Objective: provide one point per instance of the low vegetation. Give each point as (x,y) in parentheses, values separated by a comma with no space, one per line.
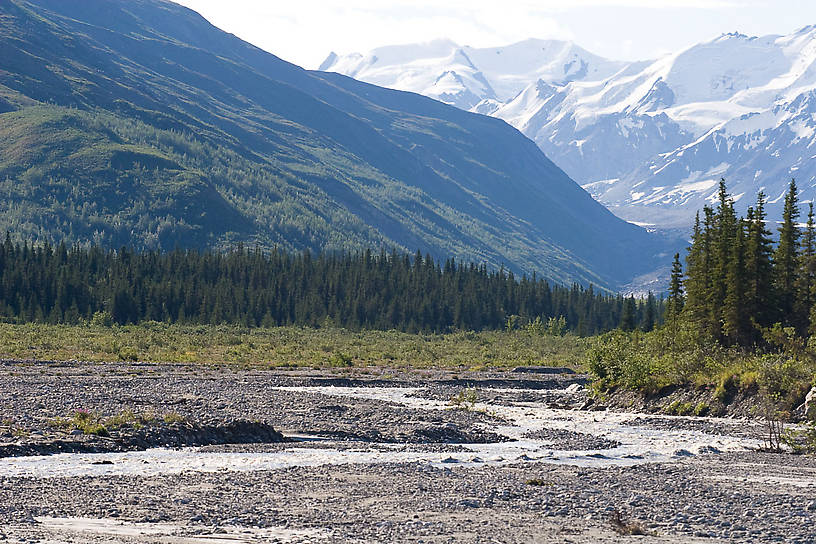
(627,527)
(91,423)
(287,346)
(465,400)
(680,356)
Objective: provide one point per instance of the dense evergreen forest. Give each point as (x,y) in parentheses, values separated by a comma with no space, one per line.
(740,283)
(64,284)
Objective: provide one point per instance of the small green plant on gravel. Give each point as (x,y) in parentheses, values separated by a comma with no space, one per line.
(92,424)
(128,418)
(679,408)
(702,409)
(173,417)
(465,400)
(83,420)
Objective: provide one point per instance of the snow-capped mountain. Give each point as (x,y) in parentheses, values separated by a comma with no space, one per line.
(652,139)
(465,76)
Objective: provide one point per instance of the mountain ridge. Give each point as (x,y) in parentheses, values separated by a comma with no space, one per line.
(652,140)
(130,107)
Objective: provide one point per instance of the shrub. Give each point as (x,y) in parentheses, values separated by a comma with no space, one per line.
(679,408)
(618,358)
(702,409)
(102,319)
(725,388)
(465,399)
(83,420)
(339,359)
(538,482)
(627,527)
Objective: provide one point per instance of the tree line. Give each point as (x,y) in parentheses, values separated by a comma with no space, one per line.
(62,284)
(739,282)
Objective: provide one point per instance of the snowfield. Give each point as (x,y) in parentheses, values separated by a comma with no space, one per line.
(736,107)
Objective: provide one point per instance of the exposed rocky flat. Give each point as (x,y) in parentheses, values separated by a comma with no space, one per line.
(377,455)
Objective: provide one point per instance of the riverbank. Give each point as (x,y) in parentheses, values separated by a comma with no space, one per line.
(380,454)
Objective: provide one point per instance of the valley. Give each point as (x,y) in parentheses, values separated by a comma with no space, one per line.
(431,293)
(141,124)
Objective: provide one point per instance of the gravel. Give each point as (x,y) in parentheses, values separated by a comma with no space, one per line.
(733,497)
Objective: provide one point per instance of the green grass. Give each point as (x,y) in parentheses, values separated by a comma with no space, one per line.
(287,346)
(82,420)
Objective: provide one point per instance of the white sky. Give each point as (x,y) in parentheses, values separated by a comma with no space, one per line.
(305,31)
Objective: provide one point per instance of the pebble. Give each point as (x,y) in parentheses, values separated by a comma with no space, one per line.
(726,496)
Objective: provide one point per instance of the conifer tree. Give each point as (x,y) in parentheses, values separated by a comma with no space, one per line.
(627,322)
(785,258)
(676,300)
(650,314)
(759,268)
(724,239)
(697,274)
(806,276)
(736,327)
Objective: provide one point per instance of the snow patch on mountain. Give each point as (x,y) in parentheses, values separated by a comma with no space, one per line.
(465,76)
(649,139)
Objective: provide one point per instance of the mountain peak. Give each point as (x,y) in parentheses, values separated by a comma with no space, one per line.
(483,73)
(329,62)
(650,138)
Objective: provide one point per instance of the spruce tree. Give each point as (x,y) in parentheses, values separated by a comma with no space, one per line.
(627,322)
(676,301)
(785,258)
(650,314)
(759,269)
(736,327)
(724,238)
(697,275)
(806,276)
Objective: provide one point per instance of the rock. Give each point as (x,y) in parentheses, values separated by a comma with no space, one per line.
(574,388)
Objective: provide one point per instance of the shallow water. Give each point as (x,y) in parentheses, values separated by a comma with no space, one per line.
(638,445)
(171,533)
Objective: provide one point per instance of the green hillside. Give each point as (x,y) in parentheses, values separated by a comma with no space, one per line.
(137,122)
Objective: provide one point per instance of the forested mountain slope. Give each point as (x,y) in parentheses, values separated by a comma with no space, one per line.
(137,122)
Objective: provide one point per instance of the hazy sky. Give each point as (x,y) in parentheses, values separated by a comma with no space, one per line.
(305,31)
